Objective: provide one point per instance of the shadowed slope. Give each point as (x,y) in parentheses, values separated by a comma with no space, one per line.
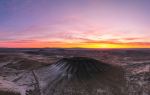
(81,67)
(8,93)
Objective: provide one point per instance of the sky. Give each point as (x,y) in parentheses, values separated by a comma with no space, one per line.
(75,23)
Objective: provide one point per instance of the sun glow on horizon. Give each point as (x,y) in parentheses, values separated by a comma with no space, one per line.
(44,44)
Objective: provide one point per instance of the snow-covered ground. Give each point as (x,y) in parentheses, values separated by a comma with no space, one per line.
(21,80)
(11,86)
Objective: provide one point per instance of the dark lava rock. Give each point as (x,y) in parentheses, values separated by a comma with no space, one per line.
(84,76)
(8,93)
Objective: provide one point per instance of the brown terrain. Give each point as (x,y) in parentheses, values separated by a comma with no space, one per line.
(75,71)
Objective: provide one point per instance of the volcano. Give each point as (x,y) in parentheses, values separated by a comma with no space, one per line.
(81,67)
(84,76)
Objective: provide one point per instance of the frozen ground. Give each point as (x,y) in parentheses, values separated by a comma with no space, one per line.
(22,67)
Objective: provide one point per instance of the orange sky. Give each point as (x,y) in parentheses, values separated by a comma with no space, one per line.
(39,44)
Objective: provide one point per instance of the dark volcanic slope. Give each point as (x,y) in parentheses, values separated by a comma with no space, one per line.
(84,76)
(82,67)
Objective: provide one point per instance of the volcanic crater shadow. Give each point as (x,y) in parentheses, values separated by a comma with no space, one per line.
(86,76)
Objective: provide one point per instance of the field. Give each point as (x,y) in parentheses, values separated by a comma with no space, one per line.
(31,72)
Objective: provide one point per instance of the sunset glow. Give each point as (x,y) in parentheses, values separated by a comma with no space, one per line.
(75,23)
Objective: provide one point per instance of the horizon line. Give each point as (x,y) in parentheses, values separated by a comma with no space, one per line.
(63,48)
